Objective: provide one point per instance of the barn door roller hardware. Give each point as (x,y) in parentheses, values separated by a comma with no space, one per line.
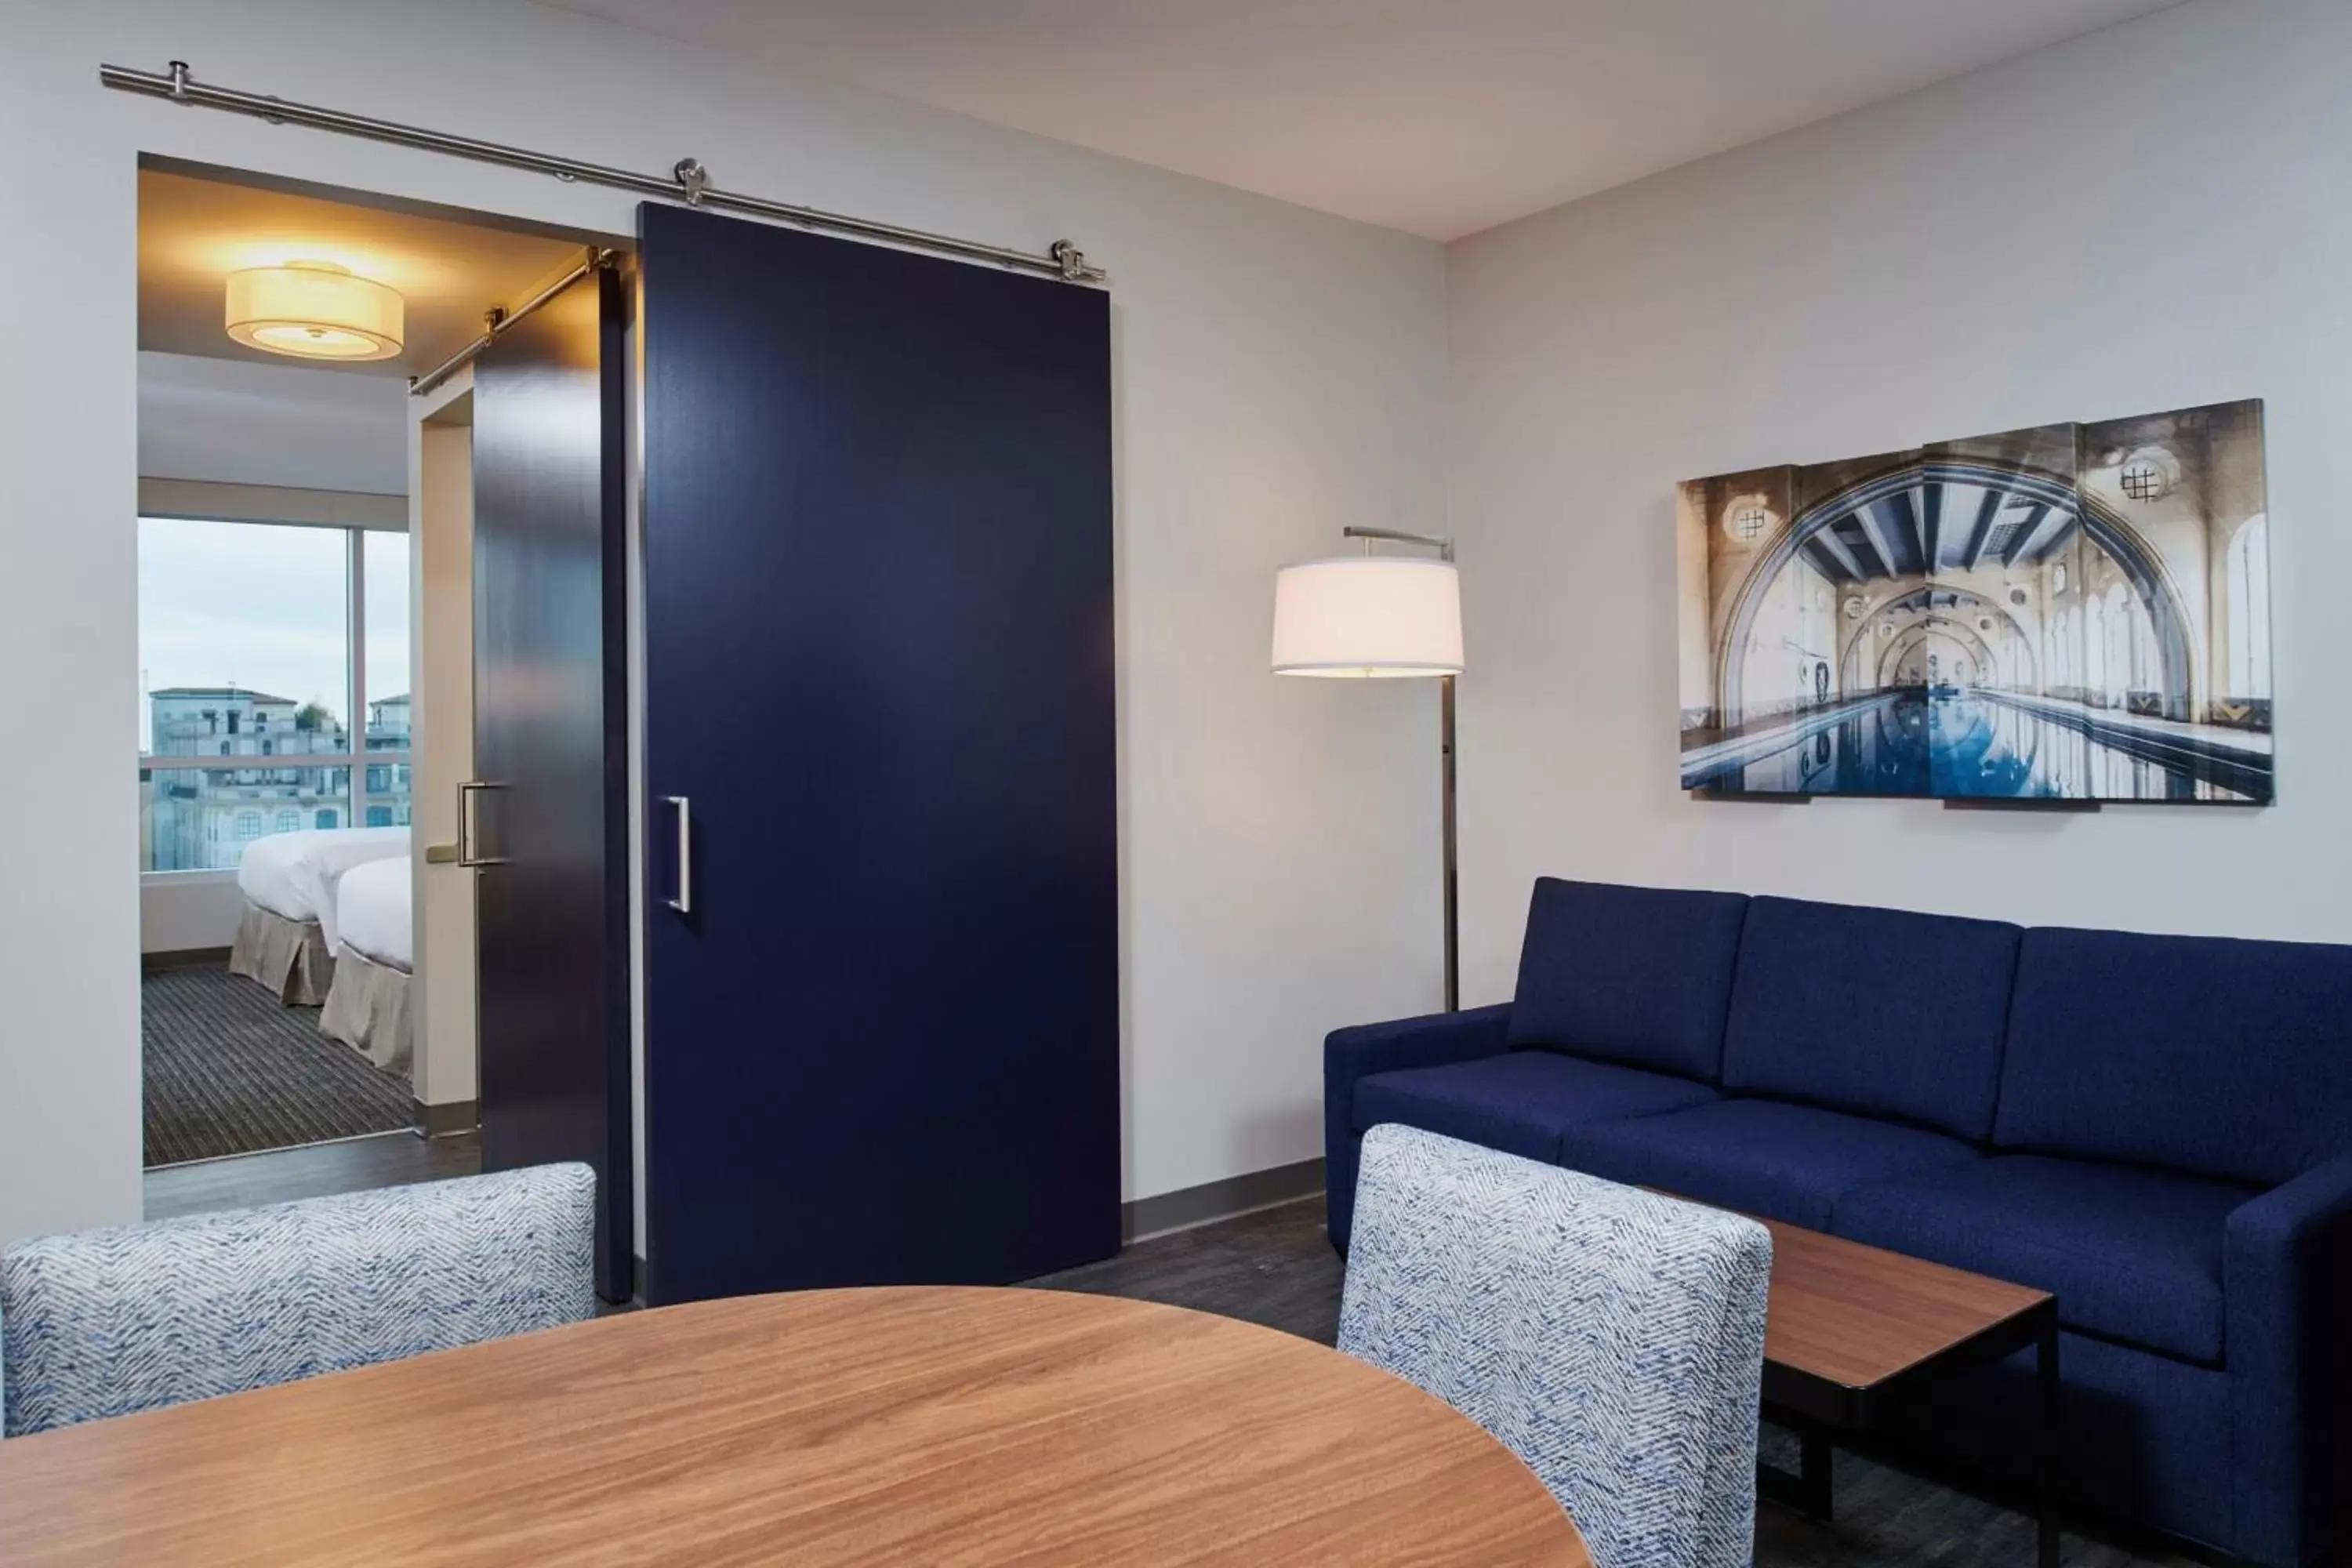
(688,180)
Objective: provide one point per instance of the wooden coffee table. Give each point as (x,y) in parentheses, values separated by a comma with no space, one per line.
(1851,1329)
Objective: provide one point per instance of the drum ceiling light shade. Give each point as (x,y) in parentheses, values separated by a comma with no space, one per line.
(314,310)
(1368,616)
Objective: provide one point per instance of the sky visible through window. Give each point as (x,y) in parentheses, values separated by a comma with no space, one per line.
(262,606)
(387,614)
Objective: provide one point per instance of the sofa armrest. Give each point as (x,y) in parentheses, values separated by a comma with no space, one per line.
(1352,1054)
(2286,1277)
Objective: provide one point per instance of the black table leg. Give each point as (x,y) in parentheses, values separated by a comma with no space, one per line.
(1814,1462)
(1809,1491)
(2045,1367)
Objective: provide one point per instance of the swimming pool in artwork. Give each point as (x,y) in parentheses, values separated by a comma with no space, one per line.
(1987,745)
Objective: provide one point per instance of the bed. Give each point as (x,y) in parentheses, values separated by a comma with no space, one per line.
(286,938)
(370,998)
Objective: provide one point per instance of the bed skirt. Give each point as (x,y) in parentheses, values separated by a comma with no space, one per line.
(291,957)
(368,1009)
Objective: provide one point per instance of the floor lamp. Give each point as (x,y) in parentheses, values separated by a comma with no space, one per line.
(1383,617)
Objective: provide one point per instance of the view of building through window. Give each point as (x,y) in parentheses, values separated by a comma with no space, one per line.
(386,657)
(245,652)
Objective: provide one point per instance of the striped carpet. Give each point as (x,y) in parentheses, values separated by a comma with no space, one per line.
(231,1070)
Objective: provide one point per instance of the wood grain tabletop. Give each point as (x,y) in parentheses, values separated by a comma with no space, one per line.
(919,1426)
(1857,1315)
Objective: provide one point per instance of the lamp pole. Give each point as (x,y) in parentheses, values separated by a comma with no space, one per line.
(1452,899)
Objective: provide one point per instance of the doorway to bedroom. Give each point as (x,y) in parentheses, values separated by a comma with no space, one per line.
(306,641)
(282,648)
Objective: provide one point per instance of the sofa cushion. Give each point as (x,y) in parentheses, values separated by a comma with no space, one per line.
(2217,1057)
(1637,975)
(1873,1011)
(1519,1103)
(1784,1162)
(2132,1255)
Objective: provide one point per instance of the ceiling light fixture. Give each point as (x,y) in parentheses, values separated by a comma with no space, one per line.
(314,310)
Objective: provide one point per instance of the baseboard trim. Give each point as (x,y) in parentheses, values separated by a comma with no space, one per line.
(183,958)
(1189,1206)
(446,1119)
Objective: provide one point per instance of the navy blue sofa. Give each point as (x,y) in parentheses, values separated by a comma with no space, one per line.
(2158,1129)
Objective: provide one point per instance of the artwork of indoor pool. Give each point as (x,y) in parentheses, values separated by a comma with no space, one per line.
(2072,612)
(1987,746)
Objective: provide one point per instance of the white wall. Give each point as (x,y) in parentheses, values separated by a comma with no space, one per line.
(1279,375)
(232,421)
(441,631)
(2153,216)
(184,911)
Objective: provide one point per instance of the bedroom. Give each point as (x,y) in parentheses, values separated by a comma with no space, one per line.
(305,610)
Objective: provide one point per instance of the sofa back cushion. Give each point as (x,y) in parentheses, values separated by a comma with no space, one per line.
(1873,1011)
(2223,1057)
(1637,975)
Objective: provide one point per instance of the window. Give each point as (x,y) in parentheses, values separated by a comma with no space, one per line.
(386,660)
(264,640)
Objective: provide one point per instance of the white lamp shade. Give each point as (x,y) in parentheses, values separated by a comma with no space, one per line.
(314,310)
(1368,616)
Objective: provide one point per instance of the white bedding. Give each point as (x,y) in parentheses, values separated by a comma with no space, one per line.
(294,874)
(371,911)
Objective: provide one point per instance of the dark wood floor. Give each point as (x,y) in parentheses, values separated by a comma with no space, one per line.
(1275,1267)
(390,1160)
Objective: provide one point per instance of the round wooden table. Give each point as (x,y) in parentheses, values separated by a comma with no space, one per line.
(932,1425)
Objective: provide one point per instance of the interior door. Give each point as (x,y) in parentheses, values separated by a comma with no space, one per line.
(882,955)
(547,820)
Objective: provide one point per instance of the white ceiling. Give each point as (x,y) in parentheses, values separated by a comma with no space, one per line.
(1438,117)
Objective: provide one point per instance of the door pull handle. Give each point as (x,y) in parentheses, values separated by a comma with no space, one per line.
(684,900)
(469,827)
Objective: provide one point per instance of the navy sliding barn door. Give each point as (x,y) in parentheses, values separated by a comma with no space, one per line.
(549,819)
(883,1032)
